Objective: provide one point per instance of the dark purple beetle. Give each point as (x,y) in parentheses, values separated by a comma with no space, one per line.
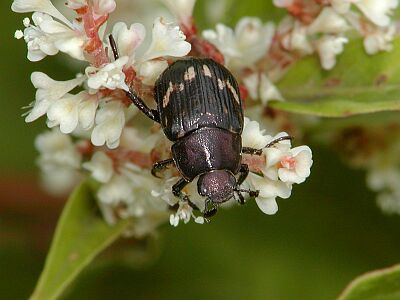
(200,110)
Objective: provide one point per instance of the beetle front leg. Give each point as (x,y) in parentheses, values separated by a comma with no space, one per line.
(151,113)
(177,190)
(210,209)
(244,172)
(160,166)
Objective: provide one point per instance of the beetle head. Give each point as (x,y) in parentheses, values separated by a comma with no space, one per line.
(217,185)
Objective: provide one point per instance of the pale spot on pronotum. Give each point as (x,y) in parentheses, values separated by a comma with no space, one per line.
(190,74)
(168,95)
(221,84)
(207,71)
(233,91)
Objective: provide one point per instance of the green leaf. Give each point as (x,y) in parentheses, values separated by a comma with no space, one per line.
(358,84)
(376,285)
(81,234)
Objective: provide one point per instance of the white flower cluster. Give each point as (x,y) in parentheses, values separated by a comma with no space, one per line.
(95,130)
(386,183)
(243,48)
(260,53)
(323,29)
(383,169)
(100,109)
(282,166)
(129,191)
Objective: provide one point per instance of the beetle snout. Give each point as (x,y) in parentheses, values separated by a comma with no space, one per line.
(217,185)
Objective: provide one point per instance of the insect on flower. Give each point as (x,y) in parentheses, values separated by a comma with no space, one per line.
(200,111)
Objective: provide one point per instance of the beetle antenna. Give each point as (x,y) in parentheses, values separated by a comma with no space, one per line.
(114,47)
(280,139)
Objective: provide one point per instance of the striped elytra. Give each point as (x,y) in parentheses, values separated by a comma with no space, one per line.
(197,92)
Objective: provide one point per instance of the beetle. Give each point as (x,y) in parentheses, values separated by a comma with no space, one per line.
(200,110)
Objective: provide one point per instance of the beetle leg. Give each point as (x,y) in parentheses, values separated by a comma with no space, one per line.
(161,165)
(244,172)
(253,151)
(177,190)
(209,211)
(151,113)
(241,198)
(280,139)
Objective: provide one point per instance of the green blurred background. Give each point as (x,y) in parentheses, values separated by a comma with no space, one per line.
(327,233)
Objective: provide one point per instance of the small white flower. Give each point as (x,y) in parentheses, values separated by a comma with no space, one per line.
(184,213)
(116,191)
(295,165)
(26,22)
(182,9)
(150,70)
(57,148)
(128,40)
(59,161)
(260,87)
(297,39)
(110,76)
(273,156)
(135,139)
(384,179)
(110,120)
(167,40)
(48,92)
(19,34)
(328,48)
(43,6)
(377,11)
(100,166)
(269,190)
(104,7)
(389,202)
(87,111)
(48,37)
(379,40)
(66,39)
(76,4)
(252,135)
(72,110)
(247,44)
(65,112)
(39,43)
(328,21)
